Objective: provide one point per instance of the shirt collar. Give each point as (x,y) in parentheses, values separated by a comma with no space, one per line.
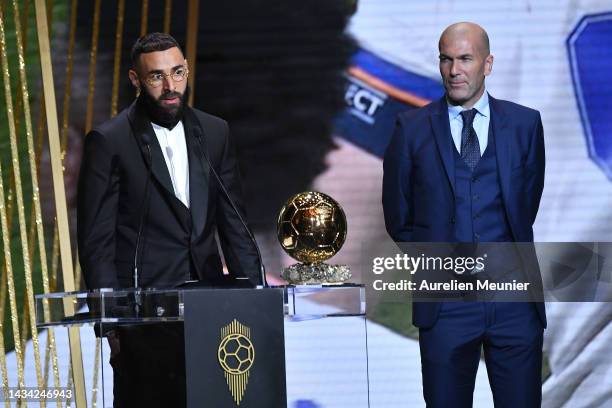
(481,106)
(177,127)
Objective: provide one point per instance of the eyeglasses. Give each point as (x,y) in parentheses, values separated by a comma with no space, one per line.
(156,79)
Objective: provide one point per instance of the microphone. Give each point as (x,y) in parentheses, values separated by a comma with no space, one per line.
(146,139)
(262,269)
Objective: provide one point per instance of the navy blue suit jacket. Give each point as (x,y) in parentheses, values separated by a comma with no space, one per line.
(419,177)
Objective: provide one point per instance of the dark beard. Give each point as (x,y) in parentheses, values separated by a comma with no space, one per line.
(159,114)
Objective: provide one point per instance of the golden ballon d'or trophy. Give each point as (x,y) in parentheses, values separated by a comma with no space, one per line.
(311,228)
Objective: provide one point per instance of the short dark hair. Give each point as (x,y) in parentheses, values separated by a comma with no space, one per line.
(152,42)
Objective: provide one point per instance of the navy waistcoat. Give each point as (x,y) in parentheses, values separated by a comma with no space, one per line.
(480,215)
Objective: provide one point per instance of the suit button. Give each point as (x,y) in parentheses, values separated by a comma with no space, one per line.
(476,197)
(476,237)
(475,217)
(452,220)
(474,179)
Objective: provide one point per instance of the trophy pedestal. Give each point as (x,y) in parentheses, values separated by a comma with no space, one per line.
(316,274)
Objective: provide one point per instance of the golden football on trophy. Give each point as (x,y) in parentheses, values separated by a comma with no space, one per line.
(311,228)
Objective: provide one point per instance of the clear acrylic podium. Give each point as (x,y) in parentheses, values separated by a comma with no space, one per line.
(325,338)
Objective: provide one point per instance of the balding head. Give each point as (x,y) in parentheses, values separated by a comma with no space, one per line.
(465,61)
(469,31)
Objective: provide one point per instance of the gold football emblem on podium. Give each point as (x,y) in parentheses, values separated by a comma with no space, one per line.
(311,228)
(236,353)
(236,356)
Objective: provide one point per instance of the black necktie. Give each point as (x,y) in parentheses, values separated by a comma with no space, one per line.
(470,148)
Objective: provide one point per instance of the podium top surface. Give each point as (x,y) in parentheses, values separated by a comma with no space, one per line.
(134,306)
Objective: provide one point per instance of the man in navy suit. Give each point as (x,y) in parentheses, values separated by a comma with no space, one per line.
(470,168)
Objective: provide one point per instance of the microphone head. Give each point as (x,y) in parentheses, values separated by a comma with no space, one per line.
(197,132)
(146,138)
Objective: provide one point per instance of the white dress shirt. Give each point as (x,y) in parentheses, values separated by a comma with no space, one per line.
(174,148)
(480,125)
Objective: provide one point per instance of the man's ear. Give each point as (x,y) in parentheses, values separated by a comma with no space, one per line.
(488,64)
(134,78)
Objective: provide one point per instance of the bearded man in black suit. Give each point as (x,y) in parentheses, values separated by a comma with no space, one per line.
(146,185)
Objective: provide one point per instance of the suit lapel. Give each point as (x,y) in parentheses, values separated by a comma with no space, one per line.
(198,174)
(501,133)
(141,126)
(444,140)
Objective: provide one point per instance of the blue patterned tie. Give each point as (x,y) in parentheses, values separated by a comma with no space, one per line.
(470,148)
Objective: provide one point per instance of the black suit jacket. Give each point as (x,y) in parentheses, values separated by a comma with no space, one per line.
(177,243)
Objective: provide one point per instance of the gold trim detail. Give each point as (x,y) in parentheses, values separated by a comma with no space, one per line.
(93,57)
(192,43)
(144,17)
(117,62)
(94,390)
(11,284)
(5,230)
(236,356)
(35,203)
(76,367)
(167,15)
